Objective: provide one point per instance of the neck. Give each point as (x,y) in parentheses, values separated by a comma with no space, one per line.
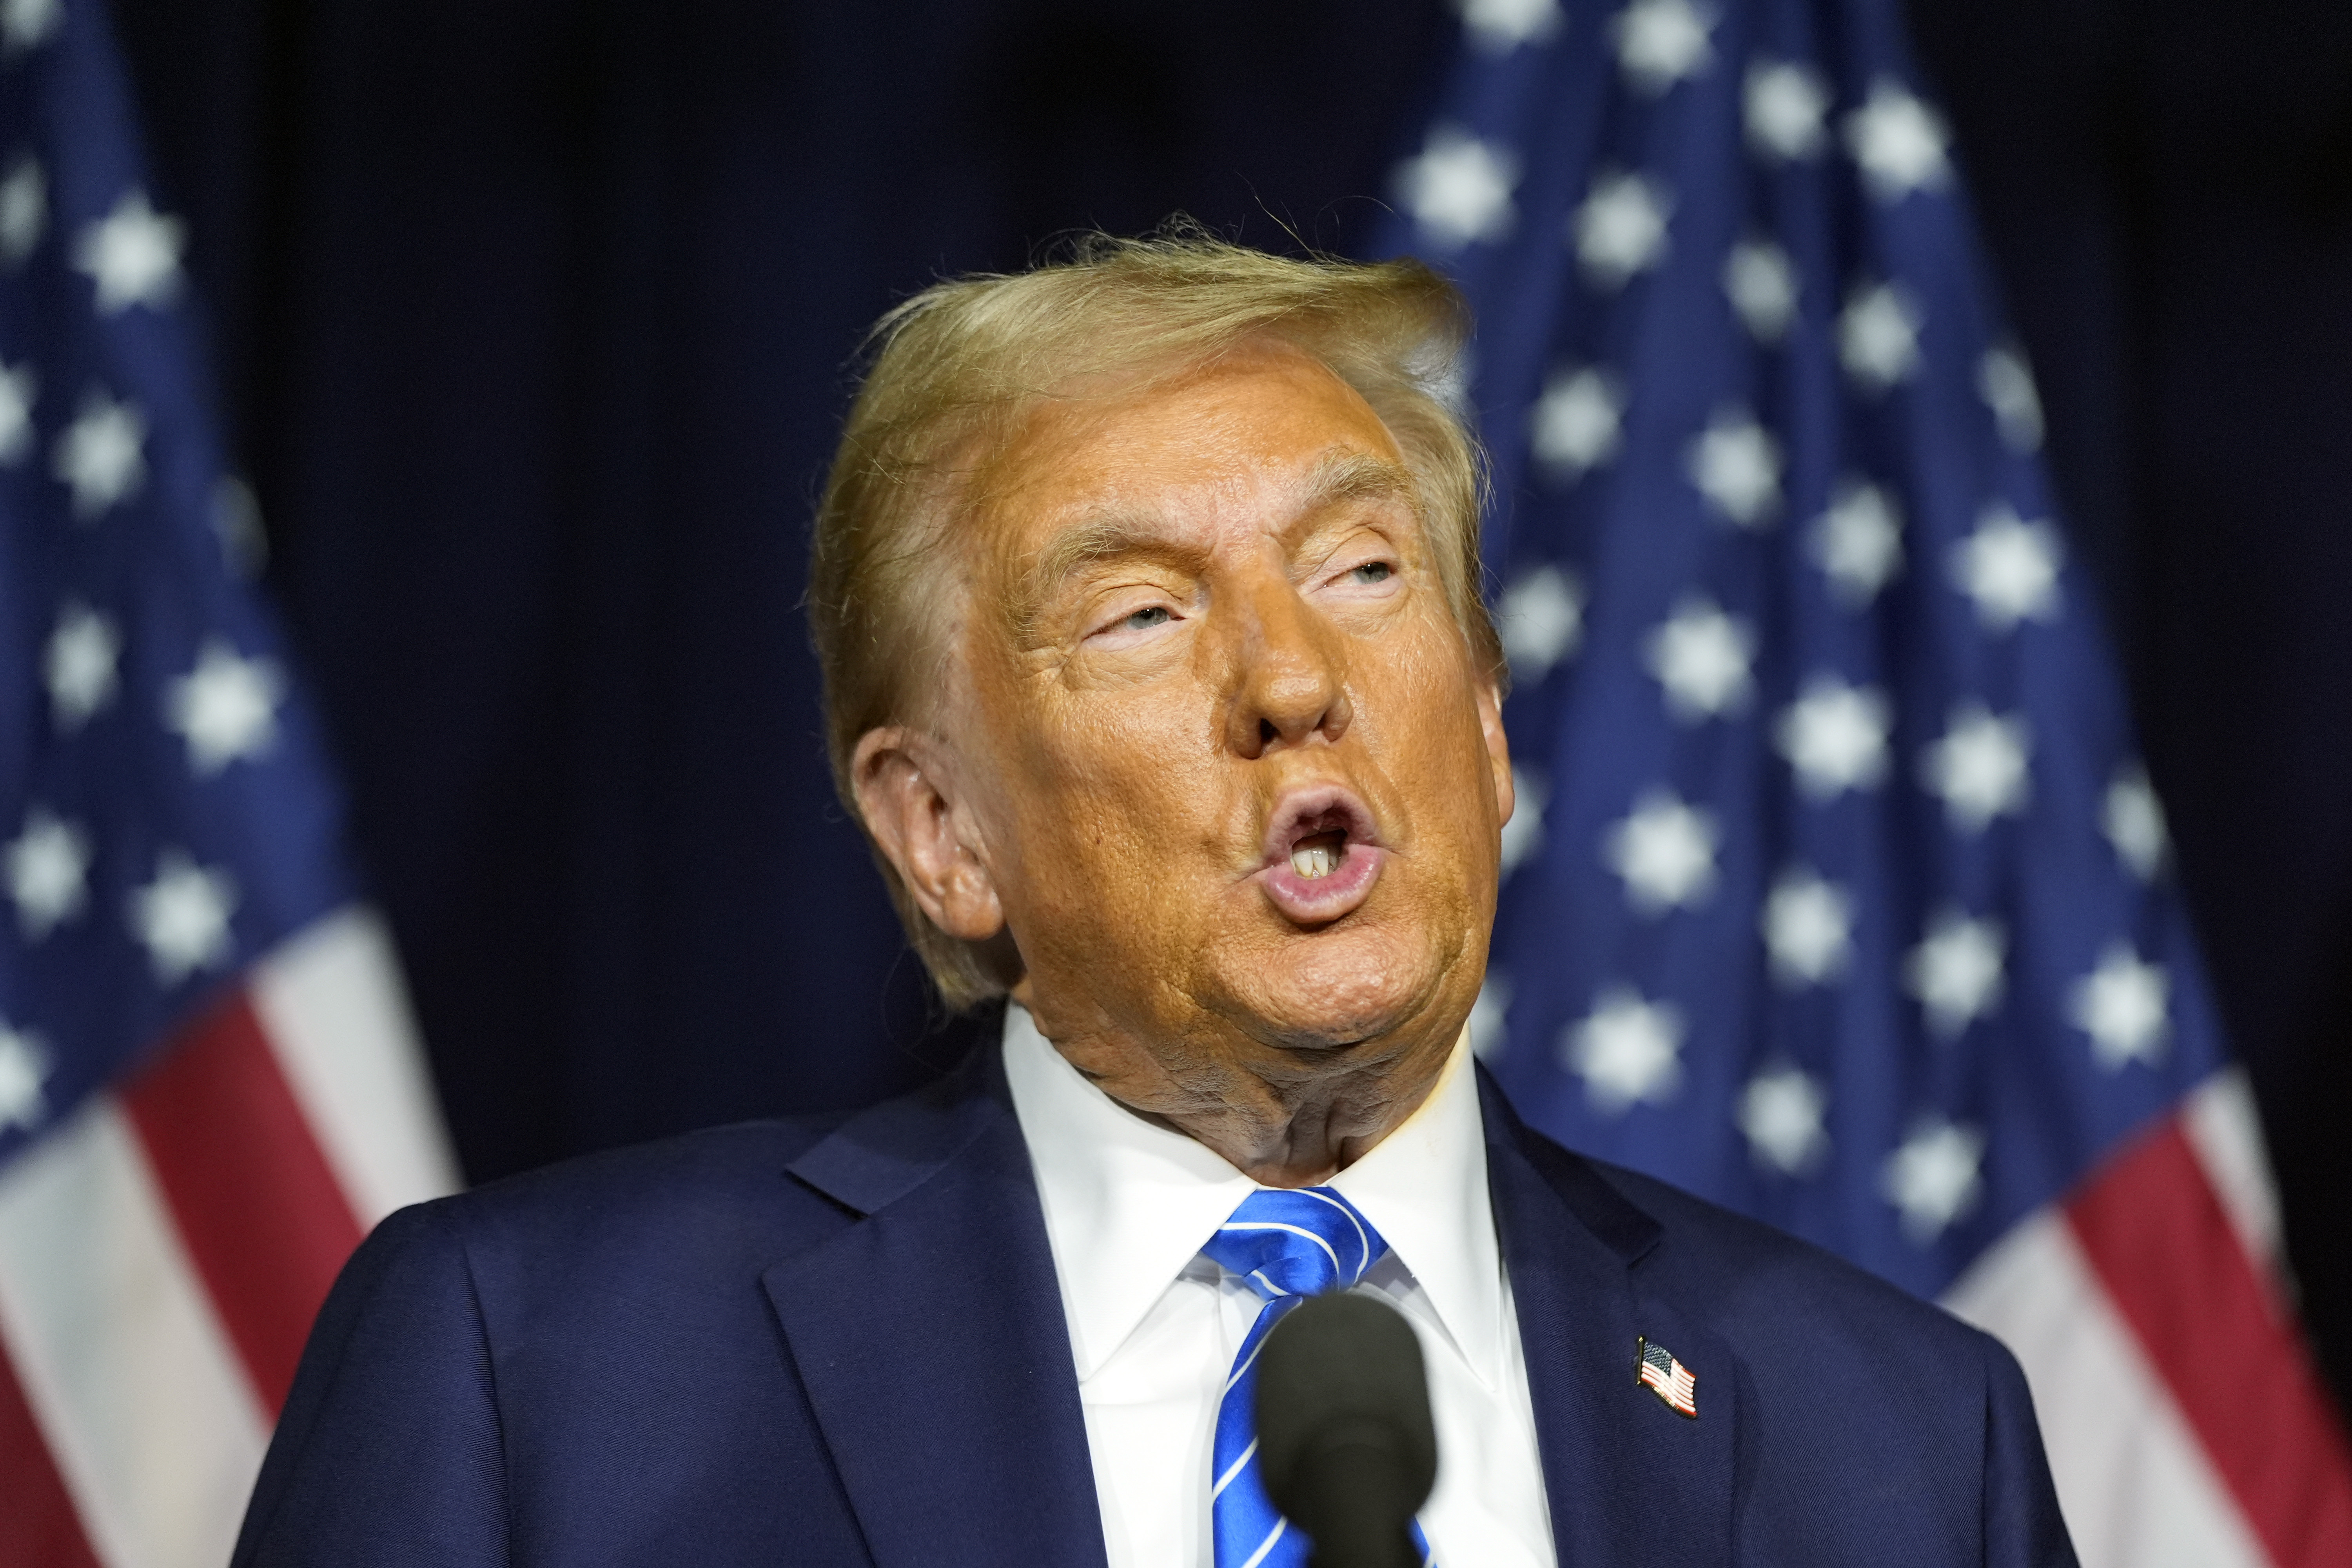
(1283,1118)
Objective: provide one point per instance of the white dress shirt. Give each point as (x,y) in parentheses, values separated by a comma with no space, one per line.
(1154,1326)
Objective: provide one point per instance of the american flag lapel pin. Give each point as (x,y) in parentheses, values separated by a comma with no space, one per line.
(1667,1378)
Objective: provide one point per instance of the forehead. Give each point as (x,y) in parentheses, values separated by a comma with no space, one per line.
(1230,438)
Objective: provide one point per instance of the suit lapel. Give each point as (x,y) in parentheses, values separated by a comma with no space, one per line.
(1628,1480)
(930,1336)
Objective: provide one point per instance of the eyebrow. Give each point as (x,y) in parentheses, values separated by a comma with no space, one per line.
(1114,537)
(1345,476)
(1339,477)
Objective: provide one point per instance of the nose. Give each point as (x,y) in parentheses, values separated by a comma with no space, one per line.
(1289,674)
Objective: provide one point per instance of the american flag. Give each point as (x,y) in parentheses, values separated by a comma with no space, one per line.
(1837,891)
(209,1088)
(1655,1365)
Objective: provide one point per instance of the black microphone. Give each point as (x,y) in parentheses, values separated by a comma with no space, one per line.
(1345,1443)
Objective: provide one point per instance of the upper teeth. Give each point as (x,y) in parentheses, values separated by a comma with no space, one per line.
(1315,857)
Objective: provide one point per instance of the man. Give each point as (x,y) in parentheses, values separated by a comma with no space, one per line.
(1146,589)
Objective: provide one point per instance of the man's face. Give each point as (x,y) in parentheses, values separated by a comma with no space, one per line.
(1238,779)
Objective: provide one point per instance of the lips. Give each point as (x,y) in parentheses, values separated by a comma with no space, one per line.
(1322,855)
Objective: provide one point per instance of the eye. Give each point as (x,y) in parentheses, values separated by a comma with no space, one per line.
(1140,625)
(1371,576)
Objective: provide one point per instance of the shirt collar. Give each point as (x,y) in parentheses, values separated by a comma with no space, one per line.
(1423,1188)
(1130,1203)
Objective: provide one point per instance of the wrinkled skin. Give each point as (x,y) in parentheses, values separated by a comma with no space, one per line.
(1183,611)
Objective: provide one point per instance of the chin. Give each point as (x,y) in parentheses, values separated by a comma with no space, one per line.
(1341,985)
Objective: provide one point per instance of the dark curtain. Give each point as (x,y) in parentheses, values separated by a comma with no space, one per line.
(535,321)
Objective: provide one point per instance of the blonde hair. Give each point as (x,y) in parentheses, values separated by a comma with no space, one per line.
(950,371)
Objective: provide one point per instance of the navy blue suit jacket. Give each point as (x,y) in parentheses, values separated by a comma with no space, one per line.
(804,1342)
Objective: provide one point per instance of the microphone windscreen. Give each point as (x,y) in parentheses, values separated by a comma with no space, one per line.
(1347,1449)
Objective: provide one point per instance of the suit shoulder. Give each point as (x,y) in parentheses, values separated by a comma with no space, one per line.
(721,1194)
(564,1358)
(1753,1281)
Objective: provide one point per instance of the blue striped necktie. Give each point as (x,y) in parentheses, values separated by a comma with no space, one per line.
(1285,1244)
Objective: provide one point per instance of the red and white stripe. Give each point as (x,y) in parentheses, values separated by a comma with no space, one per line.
(2186,1422)
(162,1253)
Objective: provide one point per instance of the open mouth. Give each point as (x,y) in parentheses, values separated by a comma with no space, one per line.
(1317,856)
(1322,855)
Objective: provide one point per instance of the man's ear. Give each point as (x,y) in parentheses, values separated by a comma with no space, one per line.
(907,795)
(1498,748)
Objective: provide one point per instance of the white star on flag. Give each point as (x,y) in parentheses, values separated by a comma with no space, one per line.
(18,387)
(1878,337)
(1735,465)
(1665,851)
(1781,1111)
(24,1070)
(1784,105)
(101,454)
(1898,142)
(1578,422)
(1956,971)
(183,917)
(2009,566)
(1807,929)
(1621,228)
(1662,42)
(79,664)
(48,871)
(1523,835)
(26,24)
(1499,26)
(1934,1177)
(1489,1016)
(2007,387)
(225,708)
(24,210)
(1761,283)
(1834,736)
(2132,819)
(1540,619)
(1978,768)
(2122,1006)
(1858,542)
(133,254)
(1701,657)
(1627,1051)
(1458,188)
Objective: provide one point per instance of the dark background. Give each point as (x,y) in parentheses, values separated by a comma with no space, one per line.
(534,316)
